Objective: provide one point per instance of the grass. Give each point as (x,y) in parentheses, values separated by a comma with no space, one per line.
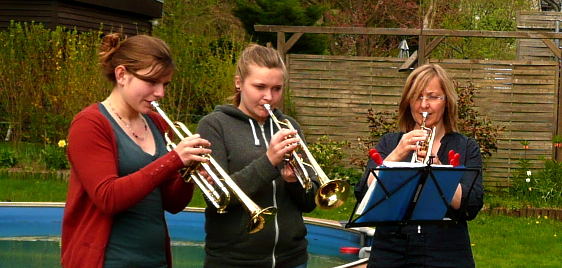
(32,187)
(498,241)
(501,241)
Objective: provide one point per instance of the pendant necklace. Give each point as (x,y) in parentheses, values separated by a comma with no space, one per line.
(127,125)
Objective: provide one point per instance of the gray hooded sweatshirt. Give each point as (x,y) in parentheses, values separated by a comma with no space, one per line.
(239,144)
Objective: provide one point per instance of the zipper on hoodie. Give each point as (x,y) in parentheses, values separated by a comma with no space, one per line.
(274,185)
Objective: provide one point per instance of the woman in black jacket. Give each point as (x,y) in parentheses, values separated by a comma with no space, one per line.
(428,90)
(250,148)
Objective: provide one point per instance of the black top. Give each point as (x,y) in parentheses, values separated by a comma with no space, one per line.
(429,245)
(138,235)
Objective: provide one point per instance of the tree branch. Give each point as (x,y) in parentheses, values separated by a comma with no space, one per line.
(552,3)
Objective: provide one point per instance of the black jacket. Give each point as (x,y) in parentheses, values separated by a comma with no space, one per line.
(429,245)
(239,145)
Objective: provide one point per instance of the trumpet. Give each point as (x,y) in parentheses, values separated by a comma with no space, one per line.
(220,197)
(332,193)
(425,145)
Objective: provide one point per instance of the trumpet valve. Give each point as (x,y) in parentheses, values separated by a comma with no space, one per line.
(187,171)
(287,157)
(423,144)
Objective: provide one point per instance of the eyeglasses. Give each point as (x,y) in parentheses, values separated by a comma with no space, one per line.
(430,98)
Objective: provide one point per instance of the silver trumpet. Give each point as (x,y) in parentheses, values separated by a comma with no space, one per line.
(332,193)
(217,193)
(425,145)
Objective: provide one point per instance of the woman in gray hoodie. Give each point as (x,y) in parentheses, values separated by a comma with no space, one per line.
(247,144)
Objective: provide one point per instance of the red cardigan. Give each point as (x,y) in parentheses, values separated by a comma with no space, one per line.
(95,193)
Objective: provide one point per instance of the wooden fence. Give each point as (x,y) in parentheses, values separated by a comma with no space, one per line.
(333,93)
(533,49)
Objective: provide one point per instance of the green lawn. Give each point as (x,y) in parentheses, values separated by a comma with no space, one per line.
(32,187)
(498,241)
(501,241)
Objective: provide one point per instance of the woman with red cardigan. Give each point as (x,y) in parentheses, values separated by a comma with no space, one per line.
(122,177)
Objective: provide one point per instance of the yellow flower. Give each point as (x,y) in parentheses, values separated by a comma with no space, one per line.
(62,143)
(472,245)
(537,222)
(546,217)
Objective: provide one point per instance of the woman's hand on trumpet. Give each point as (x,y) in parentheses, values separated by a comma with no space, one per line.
(192,148)
(422,154)
(204,174)
(288,174)
(281,144)
(407,144)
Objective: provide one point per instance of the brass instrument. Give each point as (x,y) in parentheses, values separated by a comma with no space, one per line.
(425,145)
(332,193)
(221,197)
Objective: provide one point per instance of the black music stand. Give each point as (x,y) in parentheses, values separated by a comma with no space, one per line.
(411,196)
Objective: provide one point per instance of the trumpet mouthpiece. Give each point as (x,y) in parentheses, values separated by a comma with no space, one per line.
(154,103)
(424,114)
(267,106)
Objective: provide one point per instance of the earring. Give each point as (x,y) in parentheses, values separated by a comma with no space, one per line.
(237,88)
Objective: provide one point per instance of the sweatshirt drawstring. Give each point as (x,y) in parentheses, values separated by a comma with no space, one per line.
(271,128)
(256,140)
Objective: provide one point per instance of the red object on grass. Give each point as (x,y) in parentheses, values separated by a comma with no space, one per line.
(349,250)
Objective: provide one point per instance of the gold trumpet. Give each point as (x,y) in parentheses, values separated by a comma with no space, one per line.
(425,145)
(332,193)
(220,197)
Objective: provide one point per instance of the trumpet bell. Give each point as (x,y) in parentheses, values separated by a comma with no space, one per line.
(332,194)
(260,219)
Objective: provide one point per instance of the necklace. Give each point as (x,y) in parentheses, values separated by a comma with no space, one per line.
(127,125)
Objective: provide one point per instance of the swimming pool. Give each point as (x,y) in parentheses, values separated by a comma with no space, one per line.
(30,237)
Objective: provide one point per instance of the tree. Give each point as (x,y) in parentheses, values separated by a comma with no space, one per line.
(489,15)
(553,4)
(376,14)
(282,12)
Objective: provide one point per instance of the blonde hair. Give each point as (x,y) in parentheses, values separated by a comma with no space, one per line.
(135,53)
(260,56)
(415,84)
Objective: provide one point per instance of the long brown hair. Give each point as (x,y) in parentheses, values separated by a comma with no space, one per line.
(415,84)
(135,53)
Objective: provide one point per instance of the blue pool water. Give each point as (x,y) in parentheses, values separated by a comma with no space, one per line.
(30,237)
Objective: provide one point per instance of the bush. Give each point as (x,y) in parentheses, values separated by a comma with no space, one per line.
(329,154)
(205,43)
(8,158)
(539,188)
(55,156)
(53,75)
